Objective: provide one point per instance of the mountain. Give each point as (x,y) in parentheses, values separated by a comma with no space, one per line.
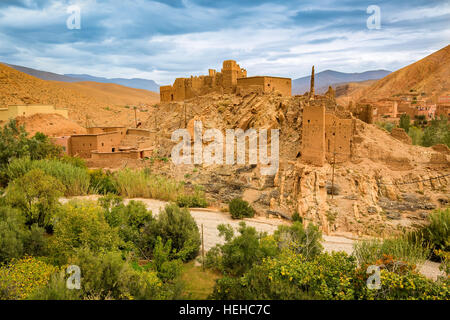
(132,83)
(136,83)
(429,77)
(44,75)
(332,78)
(107,103)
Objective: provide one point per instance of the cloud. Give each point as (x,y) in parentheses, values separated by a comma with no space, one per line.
(162,40)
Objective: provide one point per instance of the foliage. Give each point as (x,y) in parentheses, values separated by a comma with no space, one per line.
(36,195)
(438,132)
(101,182)
(173,224)
(327,276)
(82,224)
(129,219)
(15,143)
(19,278)
(301,240)
(195,200)
(416,135)
(405,122)
(436,234)
(56,289)
(240,209)
(296,217)
(140,183)
(368,251)
(240,253)
(167,269)
(107,275)
(388,126)
(74,179)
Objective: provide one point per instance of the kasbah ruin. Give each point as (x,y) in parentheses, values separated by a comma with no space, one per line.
(336,168)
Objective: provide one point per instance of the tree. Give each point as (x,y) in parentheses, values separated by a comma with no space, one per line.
(36,195)
(405,122)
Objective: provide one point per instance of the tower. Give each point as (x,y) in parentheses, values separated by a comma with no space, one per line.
(311,90)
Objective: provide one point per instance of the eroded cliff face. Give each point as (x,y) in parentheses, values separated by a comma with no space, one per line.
(380,186)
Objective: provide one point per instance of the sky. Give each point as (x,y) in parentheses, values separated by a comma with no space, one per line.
(162,40)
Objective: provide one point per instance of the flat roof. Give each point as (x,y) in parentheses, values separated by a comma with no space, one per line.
(265,77)
(93,134)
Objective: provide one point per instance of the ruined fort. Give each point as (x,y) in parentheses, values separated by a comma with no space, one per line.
(231,79)
(326,133)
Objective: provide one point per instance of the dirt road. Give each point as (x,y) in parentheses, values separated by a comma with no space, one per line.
(212,219)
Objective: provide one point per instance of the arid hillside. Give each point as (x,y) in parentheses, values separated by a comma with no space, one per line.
(99,103)
(429,76)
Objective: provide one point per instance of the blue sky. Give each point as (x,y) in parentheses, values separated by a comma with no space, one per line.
(161,40)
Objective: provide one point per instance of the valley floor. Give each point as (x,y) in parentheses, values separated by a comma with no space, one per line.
(211,219)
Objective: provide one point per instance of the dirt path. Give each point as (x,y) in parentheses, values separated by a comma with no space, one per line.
(212,219)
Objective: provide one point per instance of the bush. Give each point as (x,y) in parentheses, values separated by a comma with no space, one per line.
(17,239)
(13,234)
(367,252)
(196,200)
(240,209)
(19,278)
(81,224)
(301,240)
(108,276)
(36,195)
(74,179)
(15,143)
(135,183)
(240,253)
(101,182)
(177,225)
(128,219)
(435,235)
(327,276)
(56,289)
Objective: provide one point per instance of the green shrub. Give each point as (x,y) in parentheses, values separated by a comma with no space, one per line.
(167,269)
(177,225)
(16,238)
(240,209)
(81,224)
(301,240)
(296,217)
(240,253)
(108,276)
(139,183)
(101,182)
(369,251)
(20,278)
(327,276)
(74,179)
(56,289)
(15,143)
(195,200)
(435,235)
(36,194)
(13,234)
(129,219)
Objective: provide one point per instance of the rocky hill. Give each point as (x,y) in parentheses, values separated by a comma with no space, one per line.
(101,103)
(377,189)
(429,77)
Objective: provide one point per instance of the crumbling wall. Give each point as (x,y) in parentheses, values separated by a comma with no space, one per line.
(313,134)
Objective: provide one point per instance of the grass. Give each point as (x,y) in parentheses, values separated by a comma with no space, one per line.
(199,284)
(74,178)
(141,184)
(369,251)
